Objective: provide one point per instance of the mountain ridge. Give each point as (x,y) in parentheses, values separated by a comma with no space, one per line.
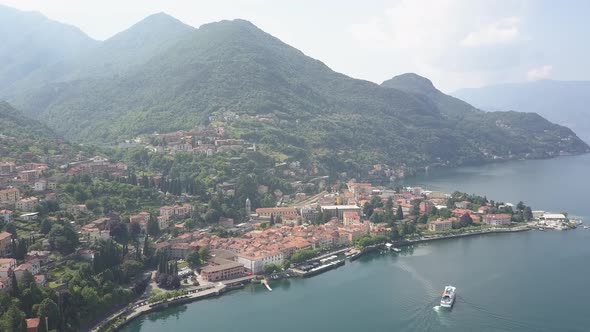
(564,102)
(38,42)
(320,115)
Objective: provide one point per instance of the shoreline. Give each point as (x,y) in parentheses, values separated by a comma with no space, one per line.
(216,292)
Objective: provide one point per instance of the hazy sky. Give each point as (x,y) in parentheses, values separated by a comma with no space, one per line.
(455,43)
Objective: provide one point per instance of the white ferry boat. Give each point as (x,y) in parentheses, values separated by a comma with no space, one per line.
(448,297)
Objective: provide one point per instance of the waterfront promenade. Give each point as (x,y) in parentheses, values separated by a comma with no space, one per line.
(490,230)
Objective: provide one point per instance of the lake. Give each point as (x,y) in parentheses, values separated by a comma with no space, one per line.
(529,281)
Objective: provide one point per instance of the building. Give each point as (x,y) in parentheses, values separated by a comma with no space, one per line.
(226,222)
(497,219)
(338,210)
(309,213)
(42,256)
(553,217)
(51,184)
(224,271)
(29,176)
(142,217)
(33,324)
(351,217)
(463,205)
(6,215)
(19,271)
(284,212)
(77,209)
(41,280)
(426,207)
(168,212)
(7,265)
(180,250)
(27,204)
(9,195)
(440,225)
(5,243)
(29,216)
(256,262)
(483,209)
(7,168)
(40,185)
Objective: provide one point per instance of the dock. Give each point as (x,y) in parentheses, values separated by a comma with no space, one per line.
(265,283)
(319,269)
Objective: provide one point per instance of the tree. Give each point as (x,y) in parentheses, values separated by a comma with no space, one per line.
(45,226)
(14,290)
(193,259)
(63,238)
(279,220)
(520,206)
(190,224)
(415,209)
(27,280)
(465,220)
(272,220)
(399,214)
(134,228)
(423,219)
(147,252)
(13,320)
(11,228)
(271,268)
(153,228)
(528,213)
(204,253)
(368,209)
(21,249)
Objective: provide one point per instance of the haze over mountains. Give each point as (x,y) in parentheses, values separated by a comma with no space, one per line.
(31,41)
(162,75)
(564,102)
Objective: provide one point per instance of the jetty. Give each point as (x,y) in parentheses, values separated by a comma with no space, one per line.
(265,283)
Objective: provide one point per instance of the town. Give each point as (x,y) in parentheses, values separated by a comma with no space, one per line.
(83,235)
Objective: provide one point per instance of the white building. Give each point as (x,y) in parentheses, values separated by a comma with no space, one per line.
(256,262)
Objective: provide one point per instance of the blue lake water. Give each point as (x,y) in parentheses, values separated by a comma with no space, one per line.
(530,281)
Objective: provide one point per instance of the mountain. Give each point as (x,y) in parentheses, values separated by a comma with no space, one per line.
(564,102)
(531,130)
(18,125)
(113,57)
(31,41)
(318,114)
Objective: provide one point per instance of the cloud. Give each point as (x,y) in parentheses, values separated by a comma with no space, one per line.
(501,32)
(440,39)
(540,73)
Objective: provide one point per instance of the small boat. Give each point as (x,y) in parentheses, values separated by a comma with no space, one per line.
(541,229)
(397,249)
(448,297)
(586,227)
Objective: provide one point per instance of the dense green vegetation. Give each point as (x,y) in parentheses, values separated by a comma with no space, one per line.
(564,102)
(316,114)
(303,255)
(20,134)
(105,195)
(91,290)
(503,134)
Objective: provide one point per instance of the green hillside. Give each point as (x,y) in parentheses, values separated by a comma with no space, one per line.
(563,102)
(19,134)
(347,124)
